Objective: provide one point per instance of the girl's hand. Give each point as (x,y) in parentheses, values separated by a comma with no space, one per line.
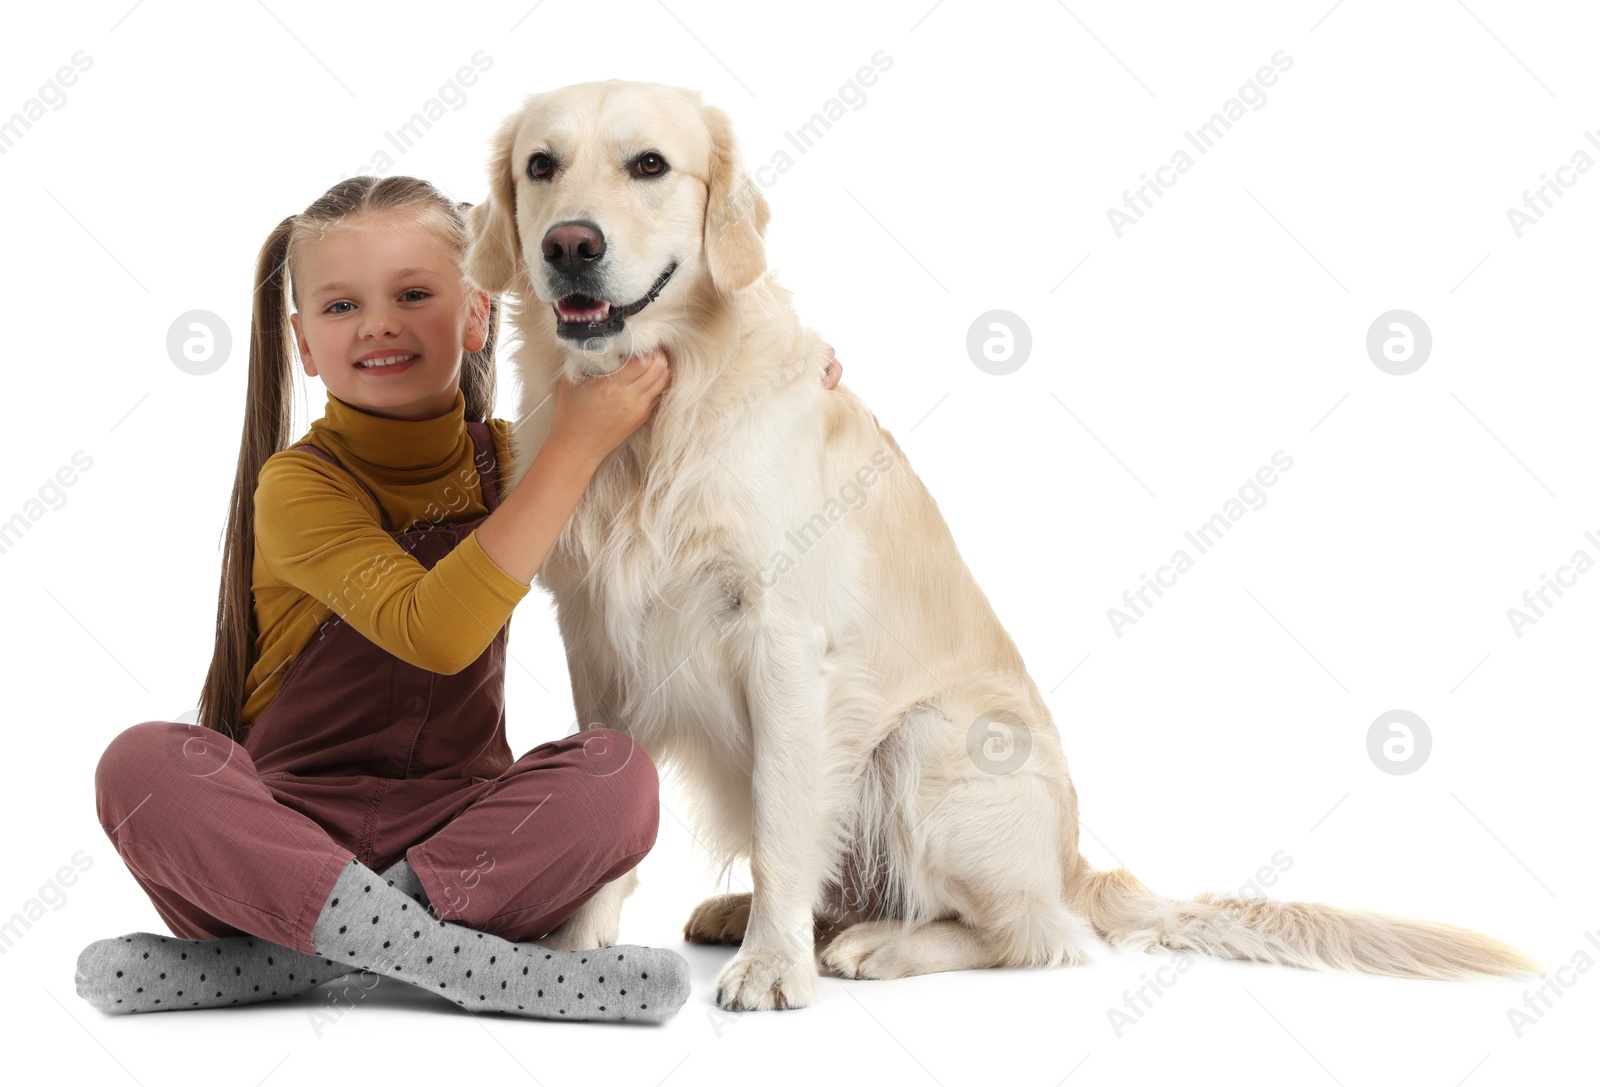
(597,415)
(834,370)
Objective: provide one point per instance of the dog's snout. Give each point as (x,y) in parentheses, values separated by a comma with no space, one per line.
(572,247)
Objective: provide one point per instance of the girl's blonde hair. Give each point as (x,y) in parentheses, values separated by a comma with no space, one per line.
(267,406)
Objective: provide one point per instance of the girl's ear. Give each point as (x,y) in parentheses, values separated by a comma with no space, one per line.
(494,256)
(477,322)
(736,212)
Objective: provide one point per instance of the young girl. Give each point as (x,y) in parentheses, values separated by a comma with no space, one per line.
(350,761)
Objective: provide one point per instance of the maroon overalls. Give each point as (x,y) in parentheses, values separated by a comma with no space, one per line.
(360,753)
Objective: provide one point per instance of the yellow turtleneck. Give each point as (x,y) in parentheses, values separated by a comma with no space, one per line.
(320,545)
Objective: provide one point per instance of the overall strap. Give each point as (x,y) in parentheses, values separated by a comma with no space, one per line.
(307,447)
(486,462)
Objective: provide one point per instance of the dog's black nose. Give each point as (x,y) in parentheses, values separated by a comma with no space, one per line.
(571,247)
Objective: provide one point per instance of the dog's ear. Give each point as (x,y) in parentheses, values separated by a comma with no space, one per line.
(494,256)
(736,212)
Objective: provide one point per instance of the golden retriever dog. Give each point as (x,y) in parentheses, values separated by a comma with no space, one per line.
(759,589)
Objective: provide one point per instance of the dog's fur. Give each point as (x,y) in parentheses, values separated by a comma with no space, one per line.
(832,715)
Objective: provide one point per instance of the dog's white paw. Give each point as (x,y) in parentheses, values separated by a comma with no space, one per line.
(763,981)
(871,949)
(719,920)
(580,932)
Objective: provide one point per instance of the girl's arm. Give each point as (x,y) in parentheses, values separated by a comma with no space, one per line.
(520,533)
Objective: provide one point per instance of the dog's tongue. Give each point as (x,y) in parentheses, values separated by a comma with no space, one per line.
(580,307)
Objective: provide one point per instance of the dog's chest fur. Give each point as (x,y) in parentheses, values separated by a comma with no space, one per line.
(659,578)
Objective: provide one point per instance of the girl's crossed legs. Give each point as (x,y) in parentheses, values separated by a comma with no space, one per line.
(241,865)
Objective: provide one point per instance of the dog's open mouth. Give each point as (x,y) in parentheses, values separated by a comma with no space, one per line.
(582,316)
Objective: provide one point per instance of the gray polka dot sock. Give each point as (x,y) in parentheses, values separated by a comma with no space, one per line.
(401,877)
(144,972)
(370,924)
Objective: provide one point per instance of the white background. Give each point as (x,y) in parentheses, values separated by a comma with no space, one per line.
(1228,323)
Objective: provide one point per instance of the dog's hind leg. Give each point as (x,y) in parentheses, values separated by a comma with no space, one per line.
(891,949)
(987,868)
(721,919)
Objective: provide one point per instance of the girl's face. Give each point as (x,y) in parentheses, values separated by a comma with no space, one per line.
(385,288)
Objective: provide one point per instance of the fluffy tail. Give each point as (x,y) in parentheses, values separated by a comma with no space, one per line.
(1126,914)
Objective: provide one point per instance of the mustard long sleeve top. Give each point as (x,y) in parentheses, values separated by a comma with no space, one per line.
(321,549)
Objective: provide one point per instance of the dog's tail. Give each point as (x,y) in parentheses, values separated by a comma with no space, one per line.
(1307,934)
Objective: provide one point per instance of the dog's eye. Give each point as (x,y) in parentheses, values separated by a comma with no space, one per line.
(541,166)
(649,164)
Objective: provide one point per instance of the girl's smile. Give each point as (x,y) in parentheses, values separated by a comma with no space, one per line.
(389,362)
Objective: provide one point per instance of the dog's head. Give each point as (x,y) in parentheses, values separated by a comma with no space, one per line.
(621,206)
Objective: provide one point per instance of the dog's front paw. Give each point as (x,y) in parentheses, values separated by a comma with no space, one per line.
(762,981)
(719,920)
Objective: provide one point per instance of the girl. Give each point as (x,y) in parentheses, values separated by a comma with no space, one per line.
(352,722)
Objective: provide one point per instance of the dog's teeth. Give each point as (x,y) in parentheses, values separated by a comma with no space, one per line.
(595,313)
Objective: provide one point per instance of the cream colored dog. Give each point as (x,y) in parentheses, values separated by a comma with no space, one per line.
(758,587)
